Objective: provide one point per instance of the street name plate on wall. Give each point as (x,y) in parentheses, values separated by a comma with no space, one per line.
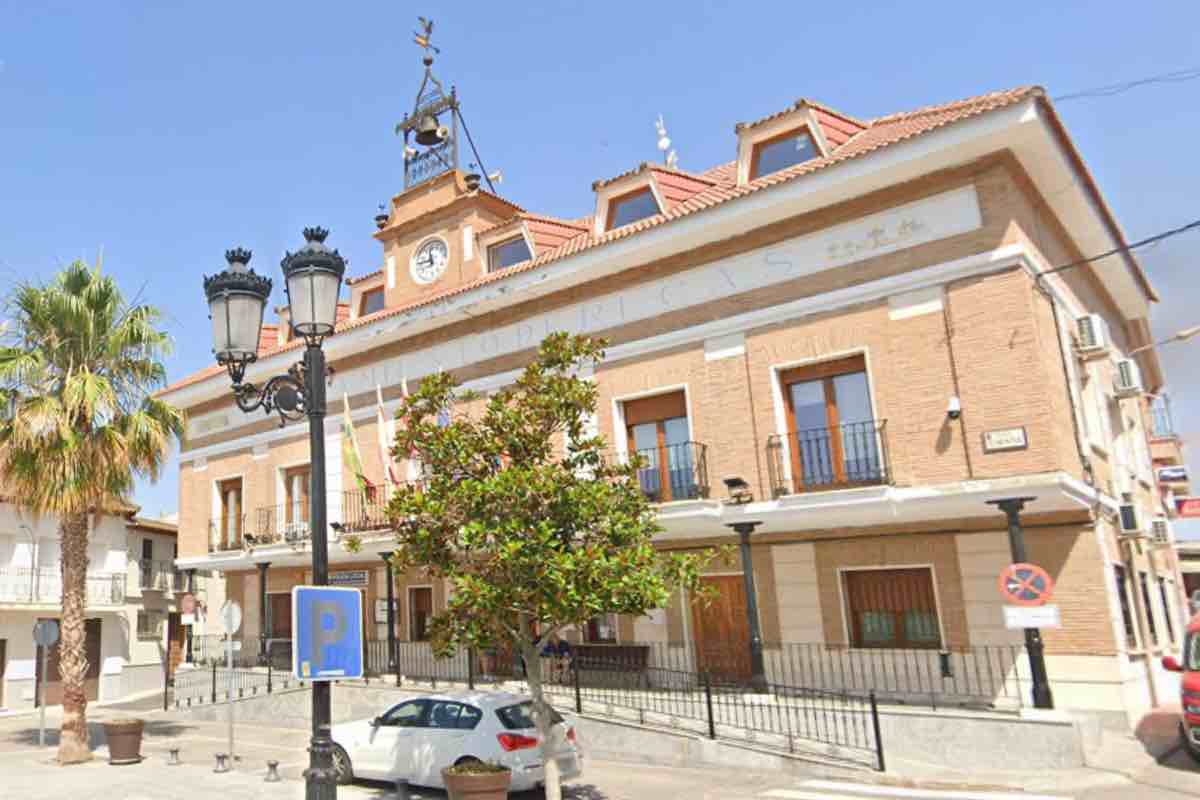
(357,577)
(1004,439)
(1018,617)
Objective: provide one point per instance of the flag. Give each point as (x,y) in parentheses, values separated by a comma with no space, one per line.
(414,469)
(387,434)
(350,453)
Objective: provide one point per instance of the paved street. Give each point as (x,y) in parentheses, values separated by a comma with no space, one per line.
(27,772)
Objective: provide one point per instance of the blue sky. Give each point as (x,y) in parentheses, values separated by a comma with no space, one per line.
(165,133)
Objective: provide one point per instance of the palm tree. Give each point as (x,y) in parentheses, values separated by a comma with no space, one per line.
(78,365)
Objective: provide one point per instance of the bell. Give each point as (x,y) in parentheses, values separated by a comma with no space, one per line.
(428,132)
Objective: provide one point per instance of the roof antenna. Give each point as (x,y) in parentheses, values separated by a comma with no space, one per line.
(670,157)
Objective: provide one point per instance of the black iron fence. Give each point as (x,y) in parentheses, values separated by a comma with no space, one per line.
(216,683)
(794,719)
(820,459)
(840,725)
(985,676)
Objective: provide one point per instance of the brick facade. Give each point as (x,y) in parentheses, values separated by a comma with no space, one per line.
(990,337)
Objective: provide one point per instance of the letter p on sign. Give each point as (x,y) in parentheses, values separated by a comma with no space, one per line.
(328,629)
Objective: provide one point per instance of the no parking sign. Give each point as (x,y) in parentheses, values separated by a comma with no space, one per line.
(1026,585)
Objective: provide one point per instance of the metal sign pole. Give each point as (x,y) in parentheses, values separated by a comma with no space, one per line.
(42,699)
(229,689)
(231,617)
(45,634)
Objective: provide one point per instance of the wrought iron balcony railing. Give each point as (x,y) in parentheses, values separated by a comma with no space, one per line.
(161,576)
(822,459)
(275,524)
(674,472)
(225,533)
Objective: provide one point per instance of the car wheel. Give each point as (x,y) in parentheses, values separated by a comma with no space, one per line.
(1192,750)
(342,769)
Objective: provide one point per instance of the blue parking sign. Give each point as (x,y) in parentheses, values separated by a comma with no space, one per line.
(327,633)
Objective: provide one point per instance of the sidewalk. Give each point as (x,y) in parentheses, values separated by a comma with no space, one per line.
(140,701)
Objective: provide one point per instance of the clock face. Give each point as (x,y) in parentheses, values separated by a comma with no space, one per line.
(429,262)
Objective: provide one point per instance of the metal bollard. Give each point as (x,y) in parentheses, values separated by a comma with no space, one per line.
(402,789)
(222,762)
(272,772)
(173,757)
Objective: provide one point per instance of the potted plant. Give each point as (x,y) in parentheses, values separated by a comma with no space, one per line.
(124,737)
(477,780)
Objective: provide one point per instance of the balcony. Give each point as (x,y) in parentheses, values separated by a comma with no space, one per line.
(365,511)
(225,533)
(43,586)
(287,523)
(673,472)
(160,576)
(823,459)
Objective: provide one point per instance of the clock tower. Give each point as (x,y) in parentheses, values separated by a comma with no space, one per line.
(429,231)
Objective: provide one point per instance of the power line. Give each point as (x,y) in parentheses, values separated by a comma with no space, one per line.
(1178,76)
(1149,240)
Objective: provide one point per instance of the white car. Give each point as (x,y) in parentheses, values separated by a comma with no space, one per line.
(420,735)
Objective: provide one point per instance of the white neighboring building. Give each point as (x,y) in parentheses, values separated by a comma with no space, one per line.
(132,610)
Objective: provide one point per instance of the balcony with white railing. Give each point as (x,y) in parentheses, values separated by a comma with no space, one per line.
(44,586)
(160,576)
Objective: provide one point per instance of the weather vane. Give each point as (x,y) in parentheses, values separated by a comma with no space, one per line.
(670,157)
(423,37)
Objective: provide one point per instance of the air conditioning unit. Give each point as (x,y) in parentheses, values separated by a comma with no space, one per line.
(1130,524)
(1128,382)
(1160,530)
(1092,332)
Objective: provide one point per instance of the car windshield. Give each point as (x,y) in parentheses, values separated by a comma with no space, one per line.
(1191,653)
(520,716)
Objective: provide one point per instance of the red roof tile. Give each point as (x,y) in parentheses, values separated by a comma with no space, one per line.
(714,187)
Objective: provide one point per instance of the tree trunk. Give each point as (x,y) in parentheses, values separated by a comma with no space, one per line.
(541,714)
(72,652)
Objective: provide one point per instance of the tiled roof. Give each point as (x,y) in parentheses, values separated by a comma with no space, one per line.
(720,187)
(367,277)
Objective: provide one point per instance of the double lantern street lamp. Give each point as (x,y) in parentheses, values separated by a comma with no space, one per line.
(237,298)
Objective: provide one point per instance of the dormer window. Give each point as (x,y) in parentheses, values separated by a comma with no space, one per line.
(781,152)
(508,253)
(372,301)
(630,208)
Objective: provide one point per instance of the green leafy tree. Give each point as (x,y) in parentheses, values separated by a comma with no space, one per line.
(533,527)
(78,366)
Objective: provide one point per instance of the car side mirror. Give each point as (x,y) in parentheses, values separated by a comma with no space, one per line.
(1171,665)
(376,722)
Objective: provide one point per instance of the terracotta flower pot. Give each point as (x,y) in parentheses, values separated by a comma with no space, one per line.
(124,741)
(477,786)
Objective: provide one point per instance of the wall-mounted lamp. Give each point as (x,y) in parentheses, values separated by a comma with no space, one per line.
(739,490)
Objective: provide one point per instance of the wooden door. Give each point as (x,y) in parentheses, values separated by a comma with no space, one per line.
(721,629)
(52,692)
(175,641)
(420,609)
(281,615)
